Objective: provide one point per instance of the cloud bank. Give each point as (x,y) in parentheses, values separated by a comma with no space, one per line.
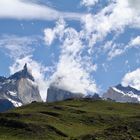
(22,9)
(72,70)
(94,28)
(15,46)
(89,3)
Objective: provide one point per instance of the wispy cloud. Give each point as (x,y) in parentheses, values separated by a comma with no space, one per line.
(22,9)
(89,3)
(112,19)
(132,79)
(96,27)
(135,42)
(15,46)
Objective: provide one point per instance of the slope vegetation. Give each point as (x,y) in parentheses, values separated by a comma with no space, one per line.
(72,120)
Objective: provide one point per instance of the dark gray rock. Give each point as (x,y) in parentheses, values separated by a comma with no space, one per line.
(5,105)
(20,88)
(22,74)
(55,94)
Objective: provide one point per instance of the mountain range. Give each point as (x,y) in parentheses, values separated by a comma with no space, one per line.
(21,89)
(123,94)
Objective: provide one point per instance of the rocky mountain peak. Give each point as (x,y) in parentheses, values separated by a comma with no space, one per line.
(2,79)
(127,89)
(121,93)
(20,88)
(25,67)
(24,73)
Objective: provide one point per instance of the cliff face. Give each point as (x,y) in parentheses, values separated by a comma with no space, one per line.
(55,94)
(28,91)
(20,88)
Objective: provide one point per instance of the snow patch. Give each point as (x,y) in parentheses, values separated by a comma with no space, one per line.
(12,93)
(117,90)
(16,104)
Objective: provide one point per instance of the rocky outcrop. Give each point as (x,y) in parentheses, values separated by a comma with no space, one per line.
(123,94)
(20,88)
(55,94)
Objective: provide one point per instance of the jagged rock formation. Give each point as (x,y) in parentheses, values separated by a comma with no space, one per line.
(120,93)
(20,88)
(55,94)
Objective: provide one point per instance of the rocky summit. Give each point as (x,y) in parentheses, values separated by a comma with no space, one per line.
(120,93)
(20,88)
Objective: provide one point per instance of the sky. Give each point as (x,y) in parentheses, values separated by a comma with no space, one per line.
(83,46)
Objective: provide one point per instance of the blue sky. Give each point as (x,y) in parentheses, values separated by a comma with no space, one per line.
(80,45)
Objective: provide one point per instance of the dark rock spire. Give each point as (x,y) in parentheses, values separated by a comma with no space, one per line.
(22,74)
(25,67)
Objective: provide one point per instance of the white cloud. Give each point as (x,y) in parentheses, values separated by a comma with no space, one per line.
(135,4)
(70,73)
(115,52)
(115,49)
(112,18)
(135,42)
(72,68)
(58,31)
(95,27)
(49,36)
(132,79)
(15,46)
(89,3)
(21,9)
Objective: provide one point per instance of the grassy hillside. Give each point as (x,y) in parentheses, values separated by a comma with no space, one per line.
(72,120)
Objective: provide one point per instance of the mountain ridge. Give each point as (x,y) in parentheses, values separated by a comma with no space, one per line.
(120,93)
(20,88)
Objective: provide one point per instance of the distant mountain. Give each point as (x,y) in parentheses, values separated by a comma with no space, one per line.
(93,97)
(120,93)
(56,94)
(20,88)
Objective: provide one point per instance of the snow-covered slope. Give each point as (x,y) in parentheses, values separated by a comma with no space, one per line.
(120,93)
(20,88)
